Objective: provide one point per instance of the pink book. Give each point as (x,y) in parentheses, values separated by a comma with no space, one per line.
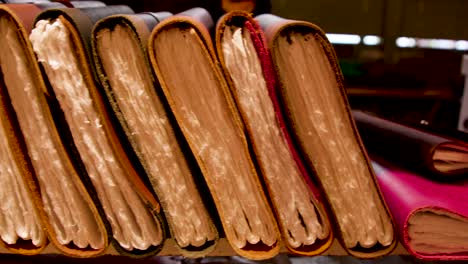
(431,217)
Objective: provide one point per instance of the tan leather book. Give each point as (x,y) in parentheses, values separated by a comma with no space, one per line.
(246,63)
(70,216)
(21,228)
(314,100)
(61,41)
(184,61)
(120,54)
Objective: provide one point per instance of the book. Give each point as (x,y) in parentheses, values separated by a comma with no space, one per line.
(183,58)
(70,215)
(443,156)
(247,66)
(120,55)
(21,228)
(318,114)
(431,216)
(61,41)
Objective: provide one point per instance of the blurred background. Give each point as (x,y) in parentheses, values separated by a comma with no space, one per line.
(401,59)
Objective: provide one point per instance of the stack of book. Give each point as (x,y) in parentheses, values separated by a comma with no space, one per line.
(127,129)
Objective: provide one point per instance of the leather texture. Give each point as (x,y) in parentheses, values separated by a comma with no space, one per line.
(200,15)
(23,15)
(200,21)
(244,19)
(80,23)
(152,19)
(408,146)
(274,27)
(141,26)
(407,192)
(87,4)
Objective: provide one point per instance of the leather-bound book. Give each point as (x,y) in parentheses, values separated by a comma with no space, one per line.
(61,41)
(183,58)
(64,196)
(440,155)
(21,227)
(120,51)
(319,117)
(246,62)
(431,216)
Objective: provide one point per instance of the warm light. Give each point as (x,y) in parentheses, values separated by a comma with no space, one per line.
(347,39)
(445,44)
(461,45)
(405,42)
(372,40)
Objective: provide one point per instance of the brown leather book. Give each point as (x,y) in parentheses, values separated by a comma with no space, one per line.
(61,41)
(319,116)
(21,227)
(120,53)
(69,213)
(184,61)
(246,63)
(431,153)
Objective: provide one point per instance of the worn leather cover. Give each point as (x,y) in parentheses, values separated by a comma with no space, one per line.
(23,16)
(80,23)
(275,27)
(141,26)
(402,144)
(244,19)
(200,20)
(87,4)
(407,193)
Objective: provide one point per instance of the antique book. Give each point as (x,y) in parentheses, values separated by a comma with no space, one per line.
(431,216)
(184,61)
(70,215)
(21,227)
(315,103)
(120,52)
(413,147)
(249,72)
(61,41)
